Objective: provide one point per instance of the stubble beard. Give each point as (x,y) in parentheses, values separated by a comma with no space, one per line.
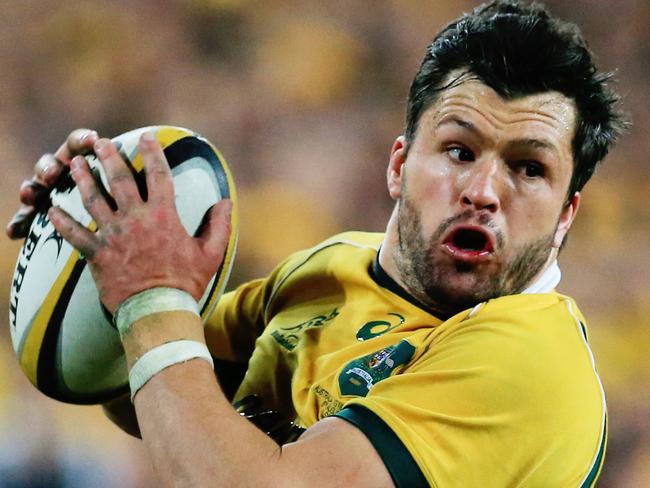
(422,271)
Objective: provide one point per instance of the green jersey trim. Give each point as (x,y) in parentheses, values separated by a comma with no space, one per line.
(379,275)
(596,466)
(398,460)
(598,463)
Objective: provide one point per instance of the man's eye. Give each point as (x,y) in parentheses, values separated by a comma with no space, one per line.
(461,154)
(532,169)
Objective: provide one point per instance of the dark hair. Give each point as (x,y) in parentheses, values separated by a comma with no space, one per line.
(519,49)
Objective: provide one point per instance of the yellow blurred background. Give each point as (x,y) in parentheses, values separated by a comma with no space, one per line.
(304,99)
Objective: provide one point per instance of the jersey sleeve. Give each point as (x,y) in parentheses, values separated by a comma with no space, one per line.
(486,407)
(241,315)
(236,322)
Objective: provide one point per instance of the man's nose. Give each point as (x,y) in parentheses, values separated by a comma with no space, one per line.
(481,186)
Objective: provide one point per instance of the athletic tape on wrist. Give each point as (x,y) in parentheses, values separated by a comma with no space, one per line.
(161,357)
(154,300)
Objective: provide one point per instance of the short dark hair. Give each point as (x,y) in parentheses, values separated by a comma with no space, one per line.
(519,49)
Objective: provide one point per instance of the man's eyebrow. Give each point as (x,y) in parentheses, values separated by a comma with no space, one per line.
(531,142)
(455,120)
(543,144)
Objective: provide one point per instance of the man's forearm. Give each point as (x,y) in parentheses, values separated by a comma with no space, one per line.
(194,436)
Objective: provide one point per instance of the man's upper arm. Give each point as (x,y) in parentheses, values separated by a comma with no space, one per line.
(333,452)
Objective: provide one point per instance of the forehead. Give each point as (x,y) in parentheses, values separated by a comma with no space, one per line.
(551,115)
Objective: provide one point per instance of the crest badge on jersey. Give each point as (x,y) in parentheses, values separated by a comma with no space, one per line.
(359,376)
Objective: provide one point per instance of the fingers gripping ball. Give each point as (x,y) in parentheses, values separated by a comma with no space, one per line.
(63,337)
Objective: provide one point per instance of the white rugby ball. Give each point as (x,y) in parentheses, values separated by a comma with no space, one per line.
(64,338)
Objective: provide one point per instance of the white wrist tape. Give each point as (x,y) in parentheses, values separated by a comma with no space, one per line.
(154,300)
(160,357)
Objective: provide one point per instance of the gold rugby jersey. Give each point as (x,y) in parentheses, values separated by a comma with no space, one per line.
(502,395)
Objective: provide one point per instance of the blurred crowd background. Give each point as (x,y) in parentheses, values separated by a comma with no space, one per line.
(304,99)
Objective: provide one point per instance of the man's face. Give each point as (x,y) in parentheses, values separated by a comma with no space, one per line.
(482,194)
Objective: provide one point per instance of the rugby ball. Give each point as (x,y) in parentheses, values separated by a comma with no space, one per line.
(62,335)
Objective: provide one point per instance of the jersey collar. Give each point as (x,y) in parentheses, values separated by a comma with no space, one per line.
(380,277)
(547,282)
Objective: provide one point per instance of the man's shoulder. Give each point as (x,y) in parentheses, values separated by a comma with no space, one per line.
(533,315)
(527,329)
(354,239)
(539,336)
(346,245)
(526,302)
(327,266)
(532,308)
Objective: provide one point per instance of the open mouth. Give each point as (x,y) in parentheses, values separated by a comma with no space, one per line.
(470,242)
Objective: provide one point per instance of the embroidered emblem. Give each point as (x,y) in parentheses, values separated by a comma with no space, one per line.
(359,376)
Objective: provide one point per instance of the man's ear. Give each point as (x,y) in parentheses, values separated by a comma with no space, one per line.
(566,219)
(395,166)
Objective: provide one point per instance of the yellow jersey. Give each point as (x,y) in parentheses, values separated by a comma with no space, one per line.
(504,394)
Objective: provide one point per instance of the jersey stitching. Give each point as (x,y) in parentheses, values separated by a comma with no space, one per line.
(582,334)
(318,249)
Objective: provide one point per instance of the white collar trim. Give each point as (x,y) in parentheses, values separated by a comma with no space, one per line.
(548,281)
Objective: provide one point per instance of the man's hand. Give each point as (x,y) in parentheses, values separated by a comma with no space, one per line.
(48,170)
(141,244)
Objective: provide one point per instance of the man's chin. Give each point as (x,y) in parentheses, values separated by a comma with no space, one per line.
(462,290)
(466,277)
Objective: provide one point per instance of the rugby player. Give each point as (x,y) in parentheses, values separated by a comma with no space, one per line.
(437,353)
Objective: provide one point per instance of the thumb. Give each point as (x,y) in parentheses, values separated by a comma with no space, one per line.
(215,235)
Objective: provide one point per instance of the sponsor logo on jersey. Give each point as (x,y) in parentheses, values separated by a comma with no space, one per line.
(359,376)
(288,337)
(376,328)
